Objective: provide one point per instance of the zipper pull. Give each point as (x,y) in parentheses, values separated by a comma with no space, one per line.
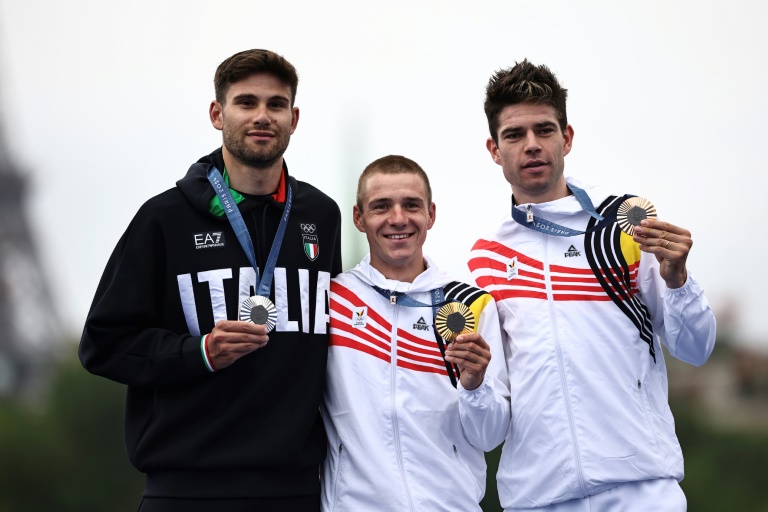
(529,214)
(393,299)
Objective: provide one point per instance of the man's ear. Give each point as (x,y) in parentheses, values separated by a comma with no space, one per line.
(567,139)
(294,119)
(432,213)
(215,114)
(493,149)
(357,218)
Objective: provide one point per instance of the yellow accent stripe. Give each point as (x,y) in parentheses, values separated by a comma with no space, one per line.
(478,306)
(630,249)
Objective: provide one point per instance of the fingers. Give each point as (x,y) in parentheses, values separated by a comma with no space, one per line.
(670,244)
(662,238)
(473,338)
(230,340)
(469,352)
(236,326)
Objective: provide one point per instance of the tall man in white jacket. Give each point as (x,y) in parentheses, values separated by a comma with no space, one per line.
(584,307)
(408,414)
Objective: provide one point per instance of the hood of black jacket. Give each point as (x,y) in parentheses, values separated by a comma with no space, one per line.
(198,190)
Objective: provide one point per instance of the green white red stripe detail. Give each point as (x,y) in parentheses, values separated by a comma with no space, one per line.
(206,357)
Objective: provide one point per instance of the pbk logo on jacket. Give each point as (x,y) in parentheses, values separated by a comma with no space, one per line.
(512,269)
(209,240)
(421,325)
(309,238)
(359,317)
(572,252)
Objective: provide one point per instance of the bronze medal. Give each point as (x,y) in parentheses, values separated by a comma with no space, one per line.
(632,211)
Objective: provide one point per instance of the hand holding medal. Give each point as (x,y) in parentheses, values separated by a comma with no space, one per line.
(471,354)
(669,243)
(230,340)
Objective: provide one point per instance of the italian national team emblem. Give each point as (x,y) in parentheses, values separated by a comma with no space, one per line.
(311,247)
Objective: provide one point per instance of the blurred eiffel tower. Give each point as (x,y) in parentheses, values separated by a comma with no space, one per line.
(29,325)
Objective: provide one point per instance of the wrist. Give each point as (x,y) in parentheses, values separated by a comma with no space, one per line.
(206,355)
(679,282)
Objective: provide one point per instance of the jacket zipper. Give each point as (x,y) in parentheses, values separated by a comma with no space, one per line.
(561,368)
(465,468)
(646,405)
(262,236)
(393,395)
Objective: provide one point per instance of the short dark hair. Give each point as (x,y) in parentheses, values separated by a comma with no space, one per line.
(249,62)
(391,164)
(523,83)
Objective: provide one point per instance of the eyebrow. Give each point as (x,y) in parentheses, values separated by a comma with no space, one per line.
(379,200)
(541,124)
(249,96)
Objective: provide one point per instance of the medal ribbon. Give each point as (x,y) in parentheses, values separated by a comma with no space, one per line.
(263,285)
(402,299)
(438,300)
(551,228)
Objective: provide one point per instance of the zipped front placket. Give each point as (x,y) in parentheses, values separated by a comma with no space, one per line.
(393,412)
(560,366)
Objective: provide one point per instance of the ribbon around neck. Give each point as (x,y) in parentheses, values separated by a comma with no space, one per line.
(536,223)
(263,285)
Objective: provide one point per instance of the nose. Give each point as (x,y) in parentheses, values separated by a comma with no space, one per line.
(261,116)
(532,143)
(397,216)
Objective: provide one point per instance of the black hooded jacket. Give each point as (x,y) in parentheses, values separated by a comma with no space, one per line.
(251,429)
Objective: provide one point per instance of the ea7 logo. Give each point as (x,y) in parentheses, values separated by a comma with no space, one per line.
(209,240)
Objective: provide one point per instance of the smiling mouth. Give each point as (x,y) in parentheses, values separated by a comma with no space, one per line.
(397,237)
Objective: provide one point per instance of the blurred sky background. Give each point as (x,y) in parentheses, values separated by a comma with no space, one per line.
(104,104)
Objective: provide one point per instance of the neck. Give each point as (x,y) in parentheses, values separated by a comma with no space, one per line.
(248,179)
(404,274)
(559,191)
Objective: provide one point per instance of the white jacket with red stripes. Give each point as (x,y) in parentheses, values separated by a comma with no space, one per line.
(402,437)
(582,319)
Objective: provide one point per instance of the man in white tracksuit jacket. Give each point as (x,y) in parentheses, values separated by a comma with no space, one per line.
(584,307)
(408,414)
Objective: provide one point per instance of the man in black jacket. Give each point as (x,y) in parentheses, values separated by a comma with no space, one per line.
(213,310)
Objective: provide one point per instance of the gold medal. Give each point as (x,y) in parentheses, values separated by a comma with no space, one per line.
(632,211)
(259,310)
(454,319)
